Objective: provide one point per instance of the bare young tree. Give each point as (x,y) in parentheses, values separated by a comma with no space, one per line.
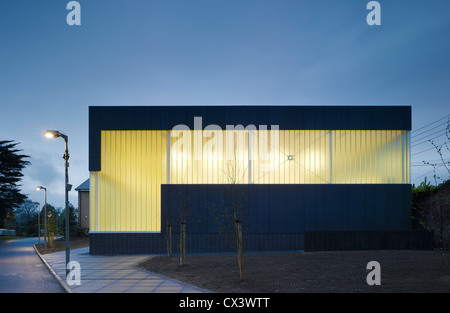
(182,208)
(233,202)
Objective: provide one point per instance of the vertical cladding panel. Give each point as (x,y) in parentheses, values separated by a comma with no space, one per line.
(310,207)
(116,156)
(154,183)
(294,148)
(94,139)
(295,211)
(215,200)
(159,176)
(122,178)
(156,119)
(370,195)
(112,168)
(393,207)
(333,207)
(144,168)
(134,209)
(118,119)
(408,157)
(294,117)
(127,117)
(141,116)
(253,209)
(103,186)
(137,182)
(216,115)
(278,116)
(293,164)
(128,193)
(178,117)
(245,206)
(199,212)
(320,195)
(345,198)
(333,119)
(284,142)
(238,116)
(399,208)
(399,160)
(263,209)
(356,208)
(277,209)
(165,213)
(209,209)
(380,207)
(363,157)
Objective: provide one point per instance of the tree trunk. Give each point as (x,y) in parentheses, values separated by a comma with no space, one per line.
(182,243)
(169,239)
(240,248)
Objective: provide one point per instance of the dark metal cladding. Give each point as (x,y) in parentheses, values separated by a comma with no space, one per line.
(285,116)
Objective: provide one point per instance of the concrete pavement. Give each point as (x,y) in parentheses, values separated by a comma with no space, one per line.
(112,274)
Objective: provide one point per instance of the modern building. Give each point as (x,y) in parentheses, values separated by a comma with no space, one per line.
(293,170)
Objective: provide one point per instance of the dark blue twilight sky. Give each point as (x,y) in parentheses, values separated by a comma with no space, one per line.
(210,52)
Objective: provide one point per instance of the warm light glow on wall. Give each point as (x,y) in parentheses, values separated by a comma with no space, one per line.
(126,194)
(365,157)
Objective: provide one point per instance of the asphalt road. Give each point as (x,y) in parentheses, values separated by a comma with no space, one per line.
(22,271)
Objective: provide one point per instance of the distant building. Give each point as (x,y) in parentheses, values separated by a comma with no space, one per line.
(83,206)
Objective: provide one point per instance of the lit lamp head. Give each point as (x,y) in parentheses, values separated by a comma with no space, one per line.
(40,188)
(55,134)
(52,134)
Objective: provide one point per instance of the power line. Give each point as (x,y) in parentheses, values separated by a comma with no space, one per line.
(429,149)
(436,132)
(433,170)
(430,123)
(428,130)
(435,160)
(426,140)
(440,164)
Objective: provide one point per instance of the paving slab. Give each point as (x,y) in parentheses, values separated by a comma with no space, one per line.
(112,274)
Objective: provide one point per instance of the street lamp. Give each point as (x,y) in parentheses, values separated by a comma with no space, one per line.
(45,214)
(68,187)
(39,221)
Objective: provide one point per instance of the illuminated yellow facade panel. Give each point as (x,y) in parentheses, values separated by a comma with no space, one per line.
(126,194)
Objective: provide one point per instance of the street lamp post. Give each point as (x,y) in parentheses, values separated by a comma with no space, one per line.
(68,187)
(45,214)
(39,221)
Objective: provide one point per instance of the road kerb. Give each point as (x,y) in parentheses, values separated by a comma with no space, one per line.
(61,282)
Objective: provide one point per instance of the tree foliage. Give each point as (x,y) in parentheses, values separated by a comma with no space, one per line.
(12,162)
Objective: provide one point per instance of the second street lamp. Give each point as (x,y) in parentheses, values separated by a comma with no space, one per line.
(39,221)
(68,187)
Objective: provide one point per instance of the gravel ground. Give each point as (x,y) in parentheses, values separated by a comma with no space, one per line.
(313,272)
